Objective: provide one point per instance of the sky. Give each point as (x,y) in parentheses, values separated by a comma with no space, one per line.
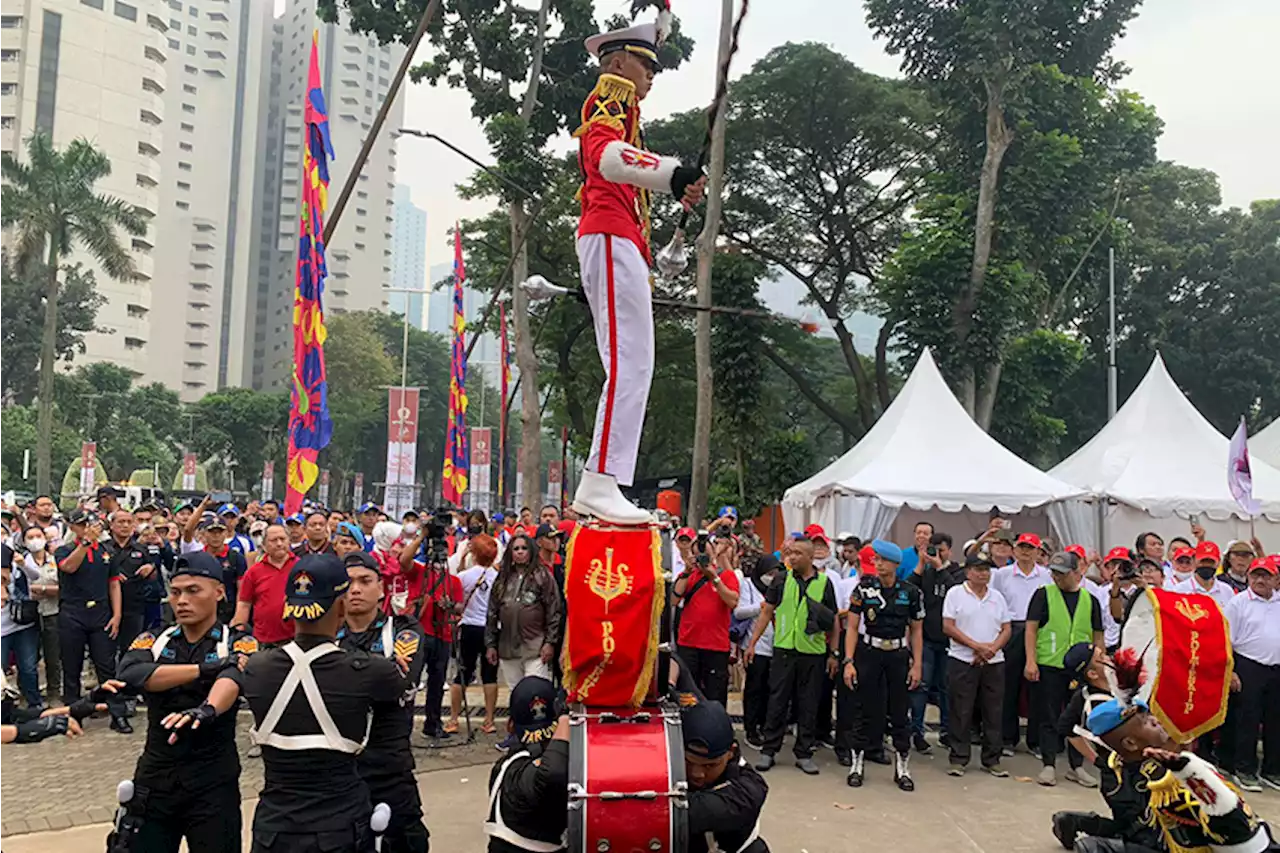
(1208,67)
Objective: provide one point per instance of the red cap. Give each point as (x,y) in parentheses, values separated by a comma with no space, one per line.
(815,531)
(1120,553)
(1078,550)
(867,560)
(567,526)
(686,531)
(1030,539)
(1179,553)
(1266,564)
(1208,551)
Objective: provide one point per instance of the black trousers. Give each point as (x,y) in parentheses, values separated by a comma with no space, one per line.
(848,721)
(81,627)
(882,690)
(131,625)
(209,820)
(1049,696)
(1015,662)
(710,671)
(1258,705)
(826,704)
(411,838)
(971,688)
(1099,844)
(755,695)
(434,668)
(357,839)
(793,677)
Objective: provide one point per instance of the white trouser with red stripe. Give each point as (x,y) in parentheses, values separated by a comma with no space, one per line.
(615,278)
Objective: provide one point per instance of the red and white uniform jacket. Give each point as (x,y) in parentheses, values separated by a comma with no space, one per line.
(618,175)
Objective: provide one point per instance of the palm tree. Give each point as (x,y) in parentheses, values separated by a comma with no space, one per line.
(50,204)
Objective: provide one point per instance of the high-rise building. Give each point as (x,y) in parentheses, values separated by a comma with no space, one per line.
(356,75)
(98,69)
(408,258)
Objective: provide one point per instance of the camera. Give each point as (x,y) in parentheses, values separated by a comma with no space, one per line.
(1127,571)
(931,551)
(436,546)
(700,548)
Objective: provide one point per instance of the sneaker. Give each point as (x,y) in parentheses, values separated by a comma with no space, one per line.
(1081,777)
(996,770)
(506,744)
(944,740)
(902,773)
(854,779)
(1007,752)
(827,741)
(121,725)
(1064,830)
(754,740)
(922,746)
(1048,776)
(1272,780)
(765,763)
(844,758)
(807,765)
(255,751)
(1248,782)
(955,770)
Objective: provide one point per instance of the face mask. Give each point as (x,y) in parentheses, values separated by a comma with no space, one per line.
(36,545)
(475,529)
(1206,572)
(410,528)
(257,541)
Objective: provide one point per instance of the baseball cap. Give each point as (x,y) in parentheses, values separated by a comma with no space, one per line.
(727,510)
(1077,660)
(707,728)
(77,516)
(369,506)
(1062,562)
(409,513)
(686,533)
(1078,550)
(184,505)
(363,559)
(845,536)
(498,518)
(887,550)
(199,563)
(815,531)
(1265,564)
(1119,554)
(1004,534)
(979,560)
(296,518)
(532,705)
(1240,547)
(867,560)
(1108,716)
(1030,539)
(110,491)
(346,528)
(1184,554)
(209,520)
(1208,551)
(315,583)
(228,509)
(545,529)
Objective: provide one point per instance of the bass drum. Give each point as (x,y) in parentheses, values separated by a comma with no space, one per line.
(627,789)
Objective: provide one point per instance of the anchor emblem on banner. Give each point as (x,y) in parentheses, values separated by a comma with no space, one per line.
(607,581)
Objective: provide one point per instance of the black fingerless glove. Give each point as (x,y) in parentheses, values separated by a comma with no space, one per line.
(34,731)
(682,177)
(82,708)
(204,713)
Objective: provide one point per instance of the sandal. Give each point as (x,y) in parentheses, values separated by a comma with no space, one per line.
(489,729)
(451,727)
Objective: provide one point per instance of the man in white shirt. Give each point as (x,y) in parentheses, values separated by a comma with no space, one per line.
(976,619)
(755,691)
(1254,617)
(1183,566)
(1016,584)
(1206,582)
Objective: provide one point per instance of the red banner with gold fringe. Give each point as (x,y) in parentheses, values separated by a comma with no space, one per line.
(1193,677)
(614,590)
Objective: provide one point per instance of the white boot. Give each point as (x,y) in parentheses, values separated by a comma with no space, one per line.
(599,496)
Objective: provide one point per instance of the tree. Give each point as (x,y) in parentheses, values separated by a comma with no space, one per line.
(242,427)
(735,354)
(50,203)
(983,54)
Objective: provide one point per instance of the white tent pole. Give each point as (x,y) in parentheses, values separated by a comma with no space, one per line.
(1111,366)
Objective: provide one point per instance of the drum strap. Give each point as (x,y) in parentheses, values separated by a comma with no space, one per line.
(496,828)
(713,846)
(302,676)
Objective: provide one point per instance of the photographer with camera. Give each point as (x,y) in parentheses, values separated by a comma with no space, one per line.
(443,600)
(706,593)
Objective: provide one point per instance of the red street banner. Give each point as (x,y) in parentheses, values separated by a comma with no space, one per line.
(88,464)
(481,460)
(189,472)
(268,479)
(402,450)
(555,479)
(324,487)
(357,491)
(1193,673)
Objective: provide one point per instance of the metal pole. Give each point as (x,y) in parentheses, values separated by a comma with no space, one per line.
(1111,366)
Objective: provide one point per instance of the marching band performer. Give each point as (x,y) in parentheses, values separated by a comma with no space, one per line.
(619,176)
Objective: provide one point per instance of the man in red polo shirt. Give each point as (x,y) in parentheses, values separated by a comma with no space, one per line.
(707,592)
(442,603)
(262,589)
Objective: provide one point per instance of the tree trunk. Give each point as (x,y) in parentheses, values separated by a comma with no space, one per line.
(998,139)
(48,352)
(882,363)
(985,402)
(701,478)
(742,478)
(805,387)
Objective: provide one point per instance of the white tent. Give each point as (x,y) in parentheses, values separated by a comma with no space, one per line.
(925,453)
(1159,465)
(1266,445)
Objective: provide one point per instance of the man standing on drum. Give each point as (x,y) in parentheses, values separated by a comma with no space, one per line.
(618,177)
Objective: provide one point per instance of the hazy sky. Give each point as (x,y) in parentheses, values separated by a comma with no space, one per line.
(1208,67)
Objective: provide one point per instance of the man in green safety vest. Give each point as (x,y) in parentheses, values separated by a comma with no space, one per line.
(1059,616)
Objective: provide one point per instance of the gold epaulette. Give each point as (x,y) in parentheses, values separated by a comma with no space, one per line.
(608,103)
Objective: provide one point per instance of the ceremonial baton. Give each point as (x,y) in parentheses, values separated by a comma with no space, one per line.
(378,823)
(672,259)
(538,288)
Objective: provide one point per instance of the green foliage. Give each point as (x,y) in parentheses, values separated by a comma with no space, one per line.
(71,481)
(18,427)
(1037,367)
(242,427)
(202,479)
(777,458)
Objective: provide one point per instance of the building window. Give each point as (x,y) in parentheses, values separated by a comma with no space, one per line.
(188,108)
(47,83)
(93,4)
(183,185)
(124,10)
(187,128)
(136,311)
(188,88)
(182,205)
(6,122)
(184,146)
(174,44)
(185,167)
(8,56)
(175,24)
(8,88)
(191,50)
(192,31)
(134,343)
(192,11)
(10,22)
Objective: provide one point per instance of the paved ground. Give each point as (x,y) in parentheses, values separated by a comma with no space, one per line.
(976,814)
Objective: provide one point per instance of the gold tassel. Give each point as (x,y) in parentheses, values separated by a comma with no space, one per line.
(655,619)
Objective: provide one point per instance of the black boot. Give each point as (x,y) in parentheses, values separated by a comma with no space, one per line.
(121,724)
(854,779)
(901,773)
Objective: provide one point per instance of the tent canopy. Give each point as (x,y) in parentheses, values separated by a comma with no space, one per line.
(926,451)
(1160,455)
(1266,445)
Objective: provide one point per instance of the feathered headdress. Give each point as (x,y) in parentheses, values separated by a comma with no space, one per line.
(664,15)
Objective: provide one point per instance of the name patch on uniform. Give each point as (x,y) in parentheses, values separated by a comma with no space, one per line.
(144,640)
(406,644)
(245,645)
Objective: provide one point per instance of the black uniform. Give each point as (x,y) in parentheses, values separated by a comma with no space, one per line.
(887,613)
(533,798)
(728,812)
(314,799)
(84,609)
(233,568)
(126,562)
(189,789)
(386,765)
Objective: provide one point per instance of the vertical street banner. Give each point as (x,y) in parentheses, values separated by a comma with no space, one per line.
(555,481)
(324,487)
(480,483)
(515,499)
(402,450)
(505,384)
(454,471)
(88,464)
(268,479)
(357,491)
(189,472)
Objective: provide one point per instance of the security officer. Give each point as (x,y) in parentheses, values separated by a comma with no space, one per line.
(128,560)
(313,708)
(386,765)
(885,664)
(88,608)
(529,789)
(726,795)
(234,564)
(187,782)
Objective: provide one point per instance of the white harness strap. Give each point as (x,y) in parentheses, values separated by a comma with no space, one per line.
(496,828)
(389,639)
(168,634)
(301,675)
(713,846)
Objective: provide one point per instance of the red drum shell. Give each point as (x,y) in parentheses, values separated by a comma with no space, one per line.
(620,751)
